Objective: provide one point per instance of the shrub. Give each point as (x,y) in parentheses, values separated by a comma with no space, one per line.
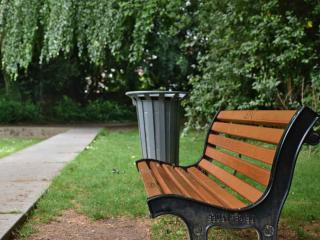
(101,110)
(68,110)
(13,111)
(65,110)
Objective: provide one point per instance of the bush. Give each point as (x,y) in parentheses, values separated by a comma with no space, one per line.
(68,110)
(101,110)
(65,110)
(13,111)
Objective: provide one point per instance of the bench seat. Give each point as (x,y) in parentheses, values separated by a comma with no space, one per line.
(161,178)
(243,176)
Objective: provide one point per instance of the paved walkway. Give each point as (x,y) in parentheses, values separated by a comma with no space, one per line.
(25,175)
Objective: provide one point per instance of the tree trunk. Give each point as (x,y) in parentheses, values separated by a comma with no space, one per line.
(7,82)
(289,89)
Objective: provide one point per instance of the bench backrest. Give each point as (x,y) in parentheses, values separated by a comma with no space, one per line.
(241,148)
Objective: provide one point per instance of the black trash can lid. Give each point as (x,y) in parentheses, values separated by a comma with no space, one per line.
(156,94)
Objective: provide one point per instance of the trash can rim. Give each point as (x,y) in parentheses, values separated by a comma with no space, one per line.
(156,94)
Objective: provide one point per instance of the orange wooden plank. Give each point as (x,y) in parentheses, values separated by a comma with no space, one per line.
(197,187)
(223,196)
(268,135)
(262,154)
(272,117)
(166,184)
(150,184)
(252,171)
(181,183)
(238,185)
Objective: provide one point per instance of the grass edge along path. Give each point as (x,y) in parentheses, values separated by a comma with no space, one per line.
(102,182)
(11,145)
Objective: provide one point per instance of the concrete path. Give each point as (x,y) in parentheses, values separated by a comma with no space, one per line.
(25,175)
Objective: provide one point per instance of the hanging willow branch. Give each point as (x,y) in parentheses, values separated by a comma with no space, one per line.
(93,29)
(18,33)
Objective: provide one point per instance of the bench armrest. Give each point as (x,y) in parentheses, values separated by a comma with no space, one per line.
(313,138)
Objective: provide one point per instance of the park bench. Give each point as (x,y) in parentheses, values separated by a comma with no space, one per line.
(243,177)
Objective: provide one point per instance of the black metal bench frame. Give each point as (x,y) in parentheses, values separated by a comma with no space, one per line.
(265,213)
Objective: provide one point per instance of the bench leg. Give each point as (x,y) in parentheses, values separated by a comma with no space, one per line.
(196,231)
(268,232)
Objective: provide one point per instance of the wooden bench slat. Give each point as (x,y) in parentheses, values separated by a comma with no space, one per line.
(223,196)
(272,117)
(197,187)
(262,154)
(252,171)
(268,135)
(167,186)
(181,184)
(244,189)
(150,184)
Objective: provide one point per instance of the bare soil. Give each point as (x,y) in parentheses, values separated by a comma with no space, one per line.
(284,233)
(73,226)
(170,226)
(311,231)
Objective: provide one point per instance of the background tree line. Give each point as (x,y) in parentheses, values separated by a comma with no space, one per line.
(58,54)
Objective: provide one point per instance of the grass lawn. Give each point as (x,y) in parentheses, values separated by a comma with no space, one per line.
(10,145)
(103,182)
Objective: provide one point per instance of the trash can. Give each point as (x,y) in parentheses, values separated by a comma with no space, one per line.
(159,123)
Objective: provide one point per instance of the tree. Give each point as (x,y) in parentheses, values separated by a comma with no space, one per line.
(119,34)
(255,54)
(230,54)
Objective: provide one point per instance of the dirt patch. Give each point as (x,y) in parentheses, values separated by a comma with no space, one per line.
(72,225)
(284,233)
(169,227)
(30,131)
(75,226)
(310,231)
(313,229)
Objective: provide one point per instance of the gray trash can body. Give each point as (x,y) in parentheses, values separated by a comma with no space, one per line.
(159,123)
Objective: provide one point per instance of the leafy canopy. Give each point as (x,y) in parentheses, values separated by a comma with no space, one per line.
(255,54)
(232,54)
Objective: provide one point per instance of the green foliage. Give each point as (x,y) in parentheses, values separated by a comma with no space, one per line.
(67,110)
(13,111)
(49,82)
(17,33)
(254,54)
(166,60)
(58,21)
(100,110)
(231,54)
(116,34)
